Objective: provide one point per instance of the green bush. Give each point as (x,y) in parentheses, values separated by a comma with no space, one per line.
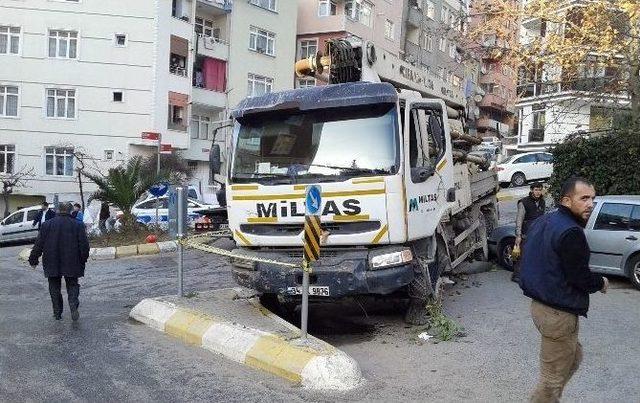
(611,162)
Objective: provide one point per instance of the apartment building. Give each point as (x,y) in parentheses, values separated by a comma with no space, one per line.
(378,21)
(497,79)
(106,79)
(553,104)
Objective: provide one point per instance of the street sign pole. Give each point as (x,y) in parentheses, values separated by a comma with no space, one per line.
(158,174)
(180,234)
(311,248)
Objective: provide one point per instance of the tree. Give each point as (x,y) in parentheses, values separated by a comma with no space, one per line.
(10,181)
(591,48)
(172,167)
(123,186)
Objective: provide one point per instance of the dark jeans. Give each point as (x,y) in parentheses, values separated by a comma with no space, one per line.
(73,292)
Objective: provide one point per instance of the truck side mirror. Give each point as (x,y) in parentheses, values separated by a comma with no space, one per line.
(421,174)
(215,160)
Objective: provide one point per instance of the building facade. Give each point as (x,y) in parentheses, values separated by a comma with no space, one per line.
(105,79)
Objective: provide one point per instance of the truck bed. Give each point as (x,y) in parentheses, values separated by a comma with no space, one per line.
(471,187)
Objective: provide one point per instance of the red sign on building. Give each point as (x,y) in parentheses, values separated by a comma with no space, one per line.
(150,136)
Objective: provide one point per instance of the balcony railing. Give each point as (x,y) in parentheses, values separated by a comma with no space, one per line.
(179,71)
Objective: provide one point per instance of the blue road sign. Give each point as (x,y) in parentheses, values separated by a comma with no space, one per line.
(159,190)
(313,200)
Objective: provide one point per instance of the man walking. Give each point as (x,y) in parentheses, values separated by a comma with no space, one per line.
(64,247)
(555,275)
(529,208)
(43,215)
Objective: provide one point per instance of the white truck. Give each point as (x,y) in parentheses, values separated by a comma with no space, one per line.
(401,200)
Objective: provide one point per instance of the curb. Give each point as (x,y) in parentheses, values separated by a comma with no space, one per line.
(112,252)
(314,365)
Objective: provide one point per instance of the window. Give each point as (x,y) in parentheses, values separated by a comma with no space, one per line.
(61,103)
(108,155)
(200,126)
(59,161)
(431,9)
(308,48)
(427,42)
(614,217)
(326,8)
(452,51)
(268,4)
(32,214)
(120,40)
(443,45)
(444,15)
(634,224)
(7,158)
(426,139)
(531,158)
(359,10)
(205,27)
(262,41)
(388,29)
(63,44)
(15,218)
(440,72)
(9,40)
(306,82)
(545,157)
(8,101)
(118,96)
(539,118)
(258,85)
(176,118)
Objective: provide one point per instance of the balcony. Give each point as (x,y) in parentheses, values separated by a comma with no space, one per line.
(493,101)
(209,98)
(415,18)
(212,47)
(216,6)
(492,124)
(536,135)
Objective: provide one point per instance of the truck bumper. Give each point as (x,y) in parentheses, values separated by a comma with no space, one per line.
(346,273)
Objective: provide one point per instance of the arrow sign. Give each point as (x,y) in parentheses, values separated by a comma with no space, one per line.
(159,189)
(313,200)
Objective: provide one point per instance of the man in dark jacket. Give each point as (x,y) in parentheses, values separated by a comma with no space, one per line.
(529,208)
(555,275)
(43,215)
(64,247)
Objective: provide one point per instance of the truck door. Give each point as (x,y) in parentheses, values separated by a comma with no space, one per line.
(428,166)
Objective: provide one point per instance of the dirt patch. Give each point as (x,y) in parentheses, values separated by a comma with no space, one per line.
(131,237)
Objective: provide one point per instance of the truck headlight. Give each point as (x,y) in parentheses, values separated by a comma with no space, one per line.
(391,259)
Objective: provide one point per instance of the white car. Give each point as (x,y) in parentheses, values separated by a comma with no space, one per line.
(19,225)
(521,168)
(145,211)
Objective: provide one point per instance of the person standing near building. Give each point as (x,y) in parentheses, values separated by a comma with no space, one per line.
(103,217)
(62,242)
(555,275)
(77,212)
(45,214)
(529,208)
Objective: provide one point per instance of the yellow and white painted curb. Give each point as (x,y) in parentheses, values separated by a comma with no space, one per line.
(113,252)
(314,365)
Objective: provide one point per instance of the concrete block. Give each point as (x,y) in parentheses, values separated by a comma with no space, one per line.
(126,251)
(104,253)
(148,249)
(167,246)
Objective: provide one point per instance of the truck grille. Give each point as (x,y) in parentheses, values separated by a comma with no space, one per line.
(294,229)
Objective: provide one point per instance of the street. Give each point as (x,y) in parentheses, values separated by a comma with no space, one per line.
(106,356)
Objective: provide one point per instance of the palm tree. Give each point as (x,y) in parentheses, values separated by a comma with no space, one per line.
(123,186)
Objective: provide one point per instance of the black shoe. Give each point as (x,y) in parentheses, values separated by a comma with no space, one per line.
(57,316)
(75,315)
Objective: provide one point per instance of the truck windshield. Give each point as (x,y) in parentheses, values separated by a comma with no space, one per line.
(307,146)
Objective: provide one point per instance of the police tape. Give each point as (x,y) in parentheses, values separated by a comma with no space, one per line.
(196,242)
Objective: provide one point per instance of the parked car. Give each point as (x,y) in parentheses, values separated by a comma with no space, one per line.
(613,234)
(518,169)
(145,211)
(18,226)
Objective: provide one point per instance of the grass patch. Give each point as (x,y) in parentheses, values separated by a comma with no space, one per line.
(445,328)
(131,236)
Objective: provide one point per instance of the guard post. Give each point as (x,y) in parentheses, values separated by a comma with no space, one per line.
(178,226)
(311,246)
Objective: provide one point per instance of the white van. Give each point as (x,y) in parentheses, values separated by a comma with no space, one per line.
(19,225)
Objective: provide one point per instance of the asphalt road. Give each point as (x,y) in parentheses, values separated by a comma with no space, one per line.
(105,356)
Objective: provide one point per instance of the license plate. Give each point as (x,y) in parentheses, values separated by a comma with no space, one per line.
(319,291)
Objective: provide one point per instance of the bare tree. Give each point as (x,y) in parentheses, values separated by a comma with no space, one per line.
(10,181)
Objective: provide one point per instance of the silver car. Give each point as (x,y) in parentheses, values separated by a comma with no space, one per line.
(613,233)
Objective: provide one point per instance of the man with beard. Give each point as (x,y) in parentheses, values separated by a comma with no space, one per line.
(555,275)
(529,208)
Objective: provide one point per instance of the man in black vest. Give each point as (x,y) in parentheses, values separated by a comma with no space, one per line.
(555,275)
(529,208)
